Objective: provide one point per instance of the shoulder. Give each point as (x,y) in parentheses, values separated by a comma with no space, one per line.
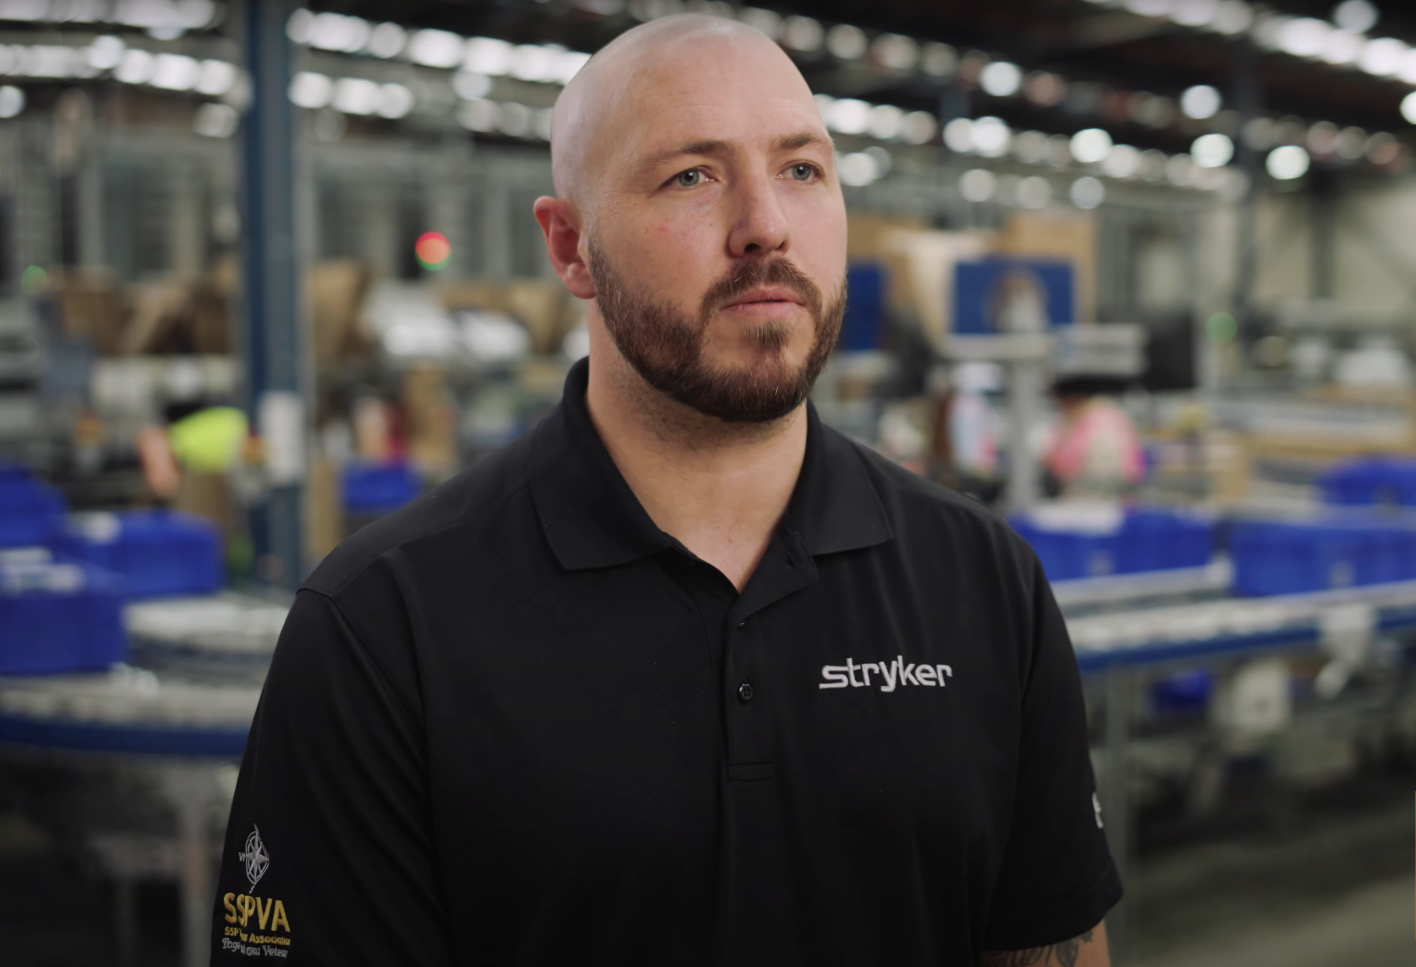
(956,554)
(915,504)
(473,496)
(942,532)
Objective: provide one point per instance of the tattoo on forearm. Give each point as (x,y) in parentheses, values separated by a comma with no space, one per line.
(1064,954)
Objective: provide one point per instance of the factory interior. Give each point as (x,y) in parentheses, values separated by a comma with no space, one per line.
(1137,275)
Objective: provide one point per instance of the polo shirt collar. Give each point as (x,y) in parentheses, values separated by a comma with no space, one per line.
(591,517)
(835,506)
(588,512)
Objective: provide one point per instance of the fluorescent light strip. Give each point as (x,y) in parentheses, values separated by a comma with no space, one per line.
(481,58)
(551,63)
(171,18)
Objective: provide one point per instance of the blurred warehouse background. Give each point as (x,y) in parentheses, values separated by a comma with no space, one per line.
(1140,274)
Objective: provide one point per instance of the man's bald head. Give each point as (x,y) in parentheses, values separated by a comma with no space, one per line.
(700,216)
(607,105)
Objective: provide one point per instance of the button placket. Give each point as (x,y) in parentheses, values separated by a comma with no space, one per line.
(748,711)
(785,569)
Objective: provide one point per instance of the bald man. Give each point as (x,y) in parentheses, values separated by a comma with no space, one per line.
(682,676)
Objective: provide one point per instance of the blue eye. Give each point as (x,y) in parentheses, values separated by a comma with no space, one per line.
(689,178)
(803,172)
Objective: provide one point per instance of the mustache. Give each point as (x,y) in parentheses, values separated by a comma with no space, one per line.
(751,273)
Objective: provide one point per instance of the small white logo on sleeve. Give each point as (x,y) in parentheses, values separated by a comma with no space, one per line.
(1096,805)
(255,857)
(889,675)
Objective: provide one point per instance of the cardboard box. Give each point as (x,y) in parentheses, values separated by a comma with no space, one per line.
(213,330)
(160,321)
(430,422)
(334,299)
(324,511)
(208,495)
(921,263)
(541,305)
(485,294)
(1218,462)
(90,305)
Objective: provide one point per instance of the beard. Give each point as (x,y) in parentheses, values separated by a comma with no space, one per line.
(667,347)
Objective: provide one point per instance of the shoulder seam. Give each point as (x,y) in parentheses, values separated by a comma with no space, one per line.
(367,652)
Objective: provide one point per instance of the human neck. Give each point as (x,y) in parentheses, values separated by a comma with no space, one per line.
(719,488)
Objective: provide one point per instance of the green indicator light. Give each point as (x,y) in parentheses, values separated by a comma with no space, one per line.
(1221,328)
(32,279)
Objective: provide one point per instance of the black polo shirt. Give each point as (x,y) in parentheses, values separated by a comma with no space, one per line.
(517,723)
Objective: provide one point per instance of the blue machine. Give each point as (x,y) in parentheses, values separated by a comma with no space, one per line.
(1182,693)
(981,289)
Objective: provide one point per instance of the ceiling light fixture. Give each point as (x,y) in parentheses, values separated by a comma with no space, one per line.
(1200,102)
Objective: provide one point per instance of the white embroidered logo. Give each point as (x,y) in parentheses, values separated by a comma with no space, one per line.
(891,674)
(255,857)
(1096,805)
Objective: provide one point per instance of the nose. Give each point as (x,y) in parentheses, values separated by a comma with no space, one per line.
(761,226)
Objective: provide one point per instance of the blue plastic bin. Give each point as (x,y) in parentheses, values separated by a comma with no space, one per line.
(1371,481)
(863,325)
(377,488)
(1158,540)
(1291,557)
(1185,692)
(31,512)
(1069,555)
(1141,540)
(157,553)
(59,616)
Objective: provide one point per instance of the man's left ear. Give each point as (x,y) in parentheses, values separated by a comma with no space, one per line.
(558,225)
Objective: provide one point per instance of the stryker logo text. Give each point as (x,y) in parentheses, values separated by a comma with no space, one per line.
(889,675)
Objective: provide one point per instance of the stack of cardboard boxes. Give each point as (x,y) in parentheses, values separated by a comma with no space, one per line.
(198,316)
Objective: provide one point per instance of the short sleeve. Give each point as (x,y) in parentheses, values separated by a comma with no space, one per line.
(328,855)
(1057,878)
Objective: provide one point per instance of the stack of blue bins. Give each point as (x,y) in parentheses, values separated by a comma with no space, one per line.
(58,616)
(1333,550)
(55,615)
(1136,541)
(31,512)
(1366,536)
(1377,481)
(157,553)
(1139,540)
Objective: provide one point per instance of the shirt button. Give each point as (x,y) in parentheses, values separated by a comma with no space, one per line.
(745,693)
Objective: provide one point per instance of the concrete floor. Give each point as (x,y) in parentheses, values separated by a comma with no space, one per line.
(1332,892)
(1368,926)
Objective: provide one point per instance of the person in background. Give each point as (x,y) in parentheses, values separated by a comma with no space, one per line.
(1094,451)
(964,446)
